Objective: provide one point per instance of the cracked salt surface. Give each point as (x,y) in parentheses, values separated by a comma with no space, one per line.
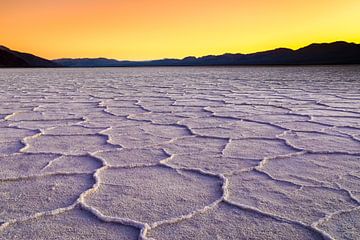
(180,153)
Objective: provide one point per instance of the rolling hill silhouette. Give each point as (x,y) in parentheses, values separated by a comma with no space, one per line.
(10,58)
(325,53)
(314,54)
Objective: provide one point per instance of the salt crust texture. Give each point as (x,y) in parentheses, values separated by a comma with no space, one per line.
(180,153)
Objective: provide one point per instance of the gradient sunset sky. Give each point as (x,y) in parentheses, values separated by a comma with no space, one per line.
(152,29)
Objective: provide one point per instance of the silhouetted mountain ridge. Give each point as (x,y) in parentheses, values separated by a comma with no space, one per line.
(323,53)
(313,54)
(10,58)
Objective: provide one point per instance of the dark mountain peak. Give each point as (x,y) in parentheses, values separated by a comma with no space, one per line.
(282,50)
(190,58)
(10,58)
(333,45)
(272,52)
(4,48)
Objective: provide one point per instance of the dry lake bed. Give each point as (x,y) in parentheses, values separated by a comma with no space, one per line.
(180,153)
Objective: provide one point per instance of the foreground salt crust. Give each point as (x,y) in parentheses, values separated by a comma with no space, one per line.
(180,153)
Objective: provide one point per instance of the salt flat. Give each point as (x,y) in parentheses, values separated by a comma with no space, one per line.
(180,153)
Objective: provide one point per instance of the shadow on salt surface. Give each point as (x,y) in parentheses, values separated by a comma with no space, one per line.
(9,134)
(257,149)
(166,131)
(10,147)
(24,197)
(344,104)
(72,224)
(125,111)
(28,165)
(344,225)
(23,165)
(238,130)
(72,130)
(196,145)
(349,130)
(305,204)
(237,110)
(39,116)
(72,164)
(44,124)
(316,169)
(305,126)
(209,122)
(145,134)
(118,103)
(322,142)
(230,222)
(75,145)
(194,102)
(129,137)
(11,139)
(153,194)
(277,118)
(326,112)
(339,121)
(158,118)
(215,163)
(132,157)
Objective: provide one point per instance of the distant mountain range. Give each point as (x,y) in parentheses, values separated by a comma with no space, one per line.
(10,58)
(314,54)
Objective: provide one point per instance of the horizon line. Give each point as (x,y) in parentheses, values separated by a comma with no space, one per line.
(200,56)
(178,58)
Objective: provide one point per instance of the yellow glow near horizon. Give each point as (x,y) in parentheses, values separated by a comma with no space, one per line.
(152,29)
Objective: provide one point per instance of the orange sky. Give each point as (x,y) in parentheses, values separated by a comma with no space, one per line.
(151,29)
